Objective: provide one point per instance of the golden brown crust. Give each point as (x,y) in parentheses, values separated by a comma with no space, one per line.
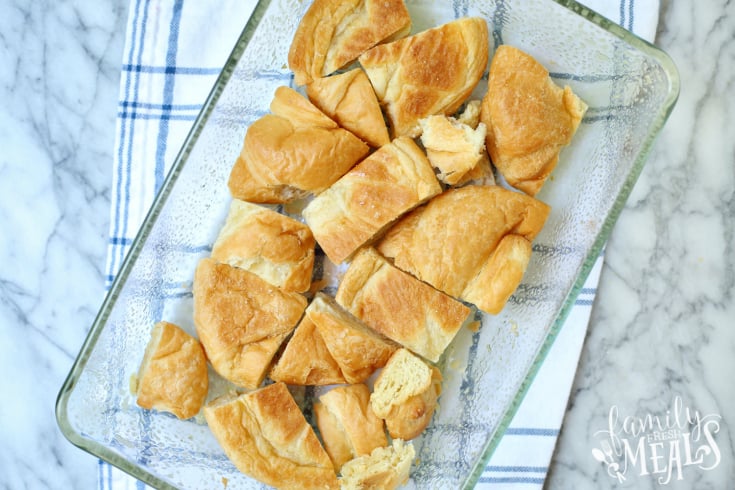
(333,436)
(348,426)
(399,306)
(357,349)
(378,190)
(306,359)
(350,100)
(529,118)
(447,242)
(173,375)
(275,247)
(234,308)
(292,152)
(249,365)
(334,33)
(386,468)
(267,437)
(500,275)
(432,72)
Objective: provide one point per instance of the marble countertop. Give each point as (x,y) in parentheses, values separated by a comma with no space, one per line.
(661,343)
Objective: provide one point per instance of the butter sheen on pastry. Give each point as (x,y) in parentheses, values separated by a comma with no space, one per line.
(334,33)
(457,242)
(267,437)
(529,118)
(431,72)
(292,152)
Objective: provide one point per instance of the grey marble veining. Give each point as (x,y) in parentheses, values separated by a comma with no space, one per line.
(58,86)
(662,324)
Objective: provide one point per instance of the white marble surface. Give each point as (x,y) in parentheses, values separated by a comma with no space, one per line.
(662,324)
(59,82)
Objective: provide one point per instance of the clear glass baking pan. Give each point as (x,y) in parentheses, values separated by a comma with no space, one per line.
(630,86)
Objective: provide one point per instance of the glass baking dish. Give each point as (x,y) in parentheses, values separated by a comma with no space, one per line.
(630,87)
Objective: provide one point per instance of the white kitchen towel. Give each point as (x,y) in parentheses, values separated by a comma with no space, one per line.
(173,53)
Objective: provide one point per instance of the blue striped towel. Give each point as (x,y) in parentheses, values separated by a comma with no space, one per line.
(173,53)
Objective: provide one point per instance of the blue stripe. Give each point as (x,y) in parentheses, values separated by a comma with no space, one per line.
(162,117)
(585,78)
(159,107)
(119,241)
(181,295)
(100,473)
(188,70)
(168,94)
(622,13)
(530,431)
(192,117)
(460,8)
(498,20)
(512,479)
(118,190)
(175,285)
(517,469)
(630,14)
(593,119)
(129,162)
(194,249)
(589,290)
(584,302)
(170,69)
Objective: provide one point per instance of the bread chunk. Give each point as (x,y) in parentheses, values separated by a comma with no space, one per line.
(470,115)
(529,118)
(405,394)
(480,174)
(341,349)
(452,147)
(348,426)
(306,361)
(431,72)
(333,33)
(271,245)
(252,363)
(386,468)
(350,100)
(173,375)
(454,242)
(377,191)
(233,309)
(292,152)
(400,306)
(266,436)
(357,349)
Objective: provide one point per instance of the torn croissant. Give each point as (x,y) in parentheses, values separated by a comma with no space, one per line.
(473,243)
(529,118)
(266,436)
(431,72)
(295,151)
(350,100)
(334,33)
